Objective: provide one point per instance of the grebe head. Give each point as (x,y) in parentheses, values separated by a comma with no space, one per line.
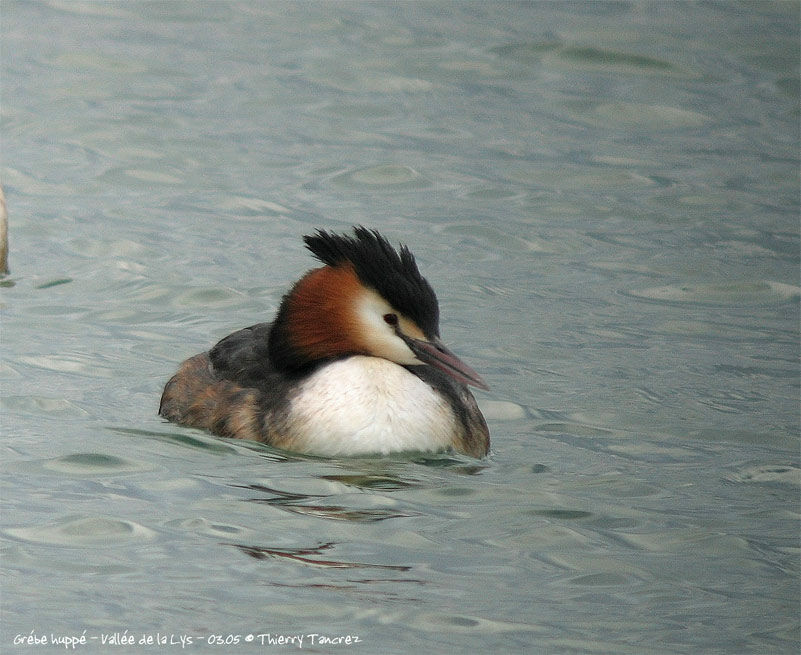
(368,299)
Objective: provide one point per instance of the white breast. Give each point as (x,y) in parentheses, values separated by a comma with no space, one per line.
(363,405)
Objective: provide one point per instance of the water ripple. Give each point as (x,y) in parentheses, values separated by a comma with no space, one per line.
(723,293)
(550,50)
(769,474)
(85,531)
(92,464)
(389,177)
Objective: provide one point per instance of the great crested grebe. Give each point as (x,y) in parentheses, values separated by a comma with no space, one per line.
(352,364)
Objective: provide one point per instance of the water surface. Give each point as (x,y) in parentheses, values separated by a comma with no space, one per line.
(605,197)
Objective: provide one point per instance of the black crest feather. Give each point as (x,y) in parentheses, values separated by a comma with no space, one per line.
(392,273)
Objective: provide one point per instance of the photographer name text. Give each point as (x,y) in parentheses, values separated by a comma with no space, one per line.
(182,641)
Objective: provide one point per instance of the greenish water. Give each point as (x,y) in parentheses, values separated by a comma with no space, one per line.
(605,197)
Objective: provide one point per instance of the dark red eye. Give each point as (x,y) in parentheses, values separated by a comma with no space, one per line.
(391,319)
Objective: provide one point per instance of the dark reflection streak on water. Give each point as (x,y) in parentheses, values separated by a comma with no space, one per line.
(283,496)
(372,482)
(337,513)
(301,555)
(355,584)
(293,502)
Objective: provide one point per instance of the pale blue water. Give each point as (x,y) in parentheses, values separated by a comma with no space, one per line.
(606,198)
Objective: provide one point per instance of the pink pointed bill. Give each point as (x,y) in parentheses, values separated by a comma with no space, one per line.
(437,355)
